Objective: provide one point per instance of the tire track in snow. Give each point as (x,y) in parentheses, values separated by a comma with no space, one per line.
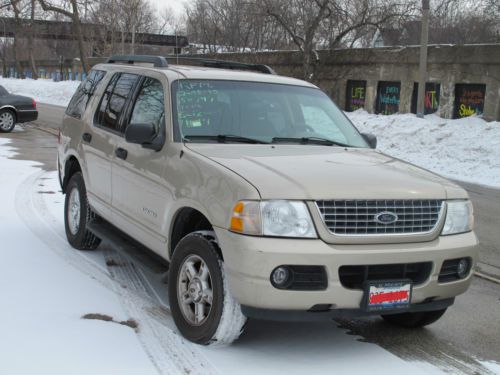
(157,339)
(167,350)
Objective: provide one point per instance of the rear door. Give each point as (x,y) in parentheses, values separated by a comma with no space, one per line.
(140,195)
(106,133)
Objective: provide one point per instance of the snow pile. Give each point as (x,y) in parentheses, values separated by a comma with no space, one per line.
(467,149)
(43,90)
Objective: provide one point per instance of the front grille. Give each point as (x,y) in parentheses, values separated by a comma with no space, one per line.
(354,277)
(358,217)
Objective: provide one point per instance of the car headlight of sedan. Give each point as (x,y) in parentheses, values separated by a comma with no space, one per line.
(273,218)
(459,217)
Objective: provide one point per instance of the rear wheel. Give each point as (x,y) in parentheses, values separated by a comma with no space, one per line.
(201,304)
(77,215)
(414,320)
(7,120)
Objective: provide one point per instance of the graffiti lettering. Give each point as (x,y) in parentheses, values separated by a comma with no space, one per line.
(469,100)
(465,111)
(388,97)
(355,95)
(358,92)
(430,100)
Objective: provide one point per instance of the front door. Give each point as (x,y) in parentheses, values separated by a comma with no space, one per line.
(140,197)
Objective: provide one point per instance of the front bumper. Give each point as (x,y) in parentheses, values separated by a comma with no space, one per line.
(249,262)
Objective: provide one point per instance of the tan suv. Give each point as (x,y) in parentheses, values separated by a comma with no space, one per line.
(263,197)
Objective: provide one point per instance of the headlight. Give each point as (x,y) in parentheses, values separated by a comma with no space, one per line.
(276,218)
(459,217)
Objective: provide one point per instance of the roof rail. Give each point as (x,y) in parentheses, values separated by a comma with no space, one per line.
(157,61)
(224,64)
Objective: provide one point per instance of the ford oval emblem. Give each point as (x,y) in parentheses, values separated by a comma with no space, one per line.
(386,218)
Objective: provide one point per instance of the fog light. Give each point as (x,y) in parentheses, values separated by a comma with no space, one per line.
(280,277)
(462,268)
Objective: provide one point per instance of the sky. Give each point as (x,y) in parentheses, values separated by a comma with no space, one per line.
(176,5)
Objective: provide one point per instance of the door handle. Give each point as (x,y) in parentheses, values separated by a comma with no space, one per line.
(87,137)
(121,153)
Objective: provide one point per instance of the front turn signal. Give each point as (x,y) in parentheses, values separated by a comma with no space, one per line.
(246,219)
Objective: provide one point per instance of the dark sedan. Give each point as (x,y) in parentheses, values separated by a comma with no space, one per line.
(15,109)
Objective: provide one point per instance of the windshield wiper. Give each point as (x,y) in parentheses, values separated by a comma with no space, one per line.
(309,140)
(223,138)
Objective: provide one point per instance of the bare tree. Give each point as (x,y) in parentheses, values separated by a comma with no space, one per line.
(31,36)
(73,14)
(301,19)
(17,32)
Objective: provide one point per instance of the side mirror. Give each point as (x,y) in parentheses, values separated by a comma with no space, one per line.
(145,135)
(370,139)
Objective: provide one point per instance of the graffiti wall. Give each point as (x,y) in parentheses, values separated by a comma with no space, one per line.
(469,100)
(431,100)
(355,95)
(388,96)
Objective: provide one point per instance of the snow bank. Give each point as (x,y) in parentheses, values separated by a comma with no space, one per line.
(43,90)
(467,149)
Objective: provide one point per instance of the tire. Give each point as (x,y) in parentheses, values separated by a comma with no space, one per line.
(7,121)
(224,321)
(77,214)
(414,320)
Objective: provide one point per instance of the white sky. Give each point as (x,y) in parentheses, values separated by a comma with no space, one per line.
(176,5)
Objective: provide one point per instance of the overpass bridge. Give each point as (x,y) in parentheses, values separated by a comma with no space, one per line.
(63,30)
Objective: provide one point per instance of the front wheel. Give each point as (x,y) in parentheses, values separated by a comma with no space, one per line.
(77,215)
(7,121)
(414,320)
(201,304)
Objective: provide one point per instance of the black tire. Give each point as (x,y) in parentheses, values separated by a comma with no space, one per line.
(80,238)
(414,320)
(6,114)
(225,321)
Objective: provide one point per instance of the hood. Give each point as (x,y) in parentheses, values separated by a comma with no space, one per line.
(325,172)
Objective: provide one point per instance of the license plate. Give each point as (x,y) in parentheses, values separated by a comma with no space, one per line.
(387,295)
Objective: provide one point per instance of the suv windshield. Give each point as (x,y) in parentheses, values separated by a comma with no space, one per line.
(211,110)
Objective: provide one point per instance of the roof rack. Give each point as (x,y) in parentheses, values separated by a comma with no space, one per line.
(162,62)
(157,61)
(223,64)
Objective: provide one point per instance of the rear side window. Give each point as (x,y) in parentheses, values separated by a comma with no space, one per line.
(113,101)
(82,96)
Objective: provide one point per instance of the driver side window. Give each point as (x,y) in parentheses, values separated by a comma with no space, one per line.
(149,107)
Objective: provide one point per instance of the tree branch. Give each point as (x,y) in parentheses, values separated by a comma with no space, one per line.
(51,8)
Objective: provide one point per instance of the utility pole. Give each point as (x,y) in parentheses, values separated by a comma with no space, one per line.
(422,75)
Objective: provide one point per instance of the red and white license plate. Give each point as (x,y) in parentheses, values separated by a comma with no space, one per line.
(388,295)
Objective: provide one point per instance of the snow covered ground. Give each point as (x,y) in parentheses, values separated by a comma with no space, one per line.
(467,149)
(47,287)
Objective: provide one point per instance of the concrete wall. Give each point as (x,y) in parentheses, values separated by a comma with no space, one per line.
(447,65)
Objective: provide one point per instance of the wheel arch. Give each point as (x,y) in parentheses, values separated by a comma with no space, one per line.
(71,166)
(10,108)
(185,221)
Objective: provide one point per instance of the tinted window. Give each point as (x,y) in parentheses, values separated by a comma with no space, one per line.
(3,91)
(82,96)
(114,99)
(149,106)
